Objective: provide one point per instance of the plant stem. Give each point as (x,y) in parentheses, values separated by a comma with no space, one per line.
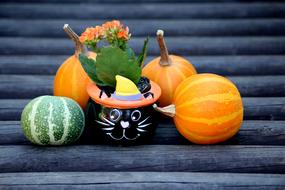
(164,56)
(168,110)
(79,47)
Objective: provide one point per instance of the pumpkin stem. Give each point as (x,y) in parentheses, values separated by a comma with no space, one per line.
(168,110)
(79,47)
(164,56)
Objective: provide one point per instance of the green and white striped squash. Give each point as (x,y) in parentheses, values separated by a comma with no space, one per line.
(51,120)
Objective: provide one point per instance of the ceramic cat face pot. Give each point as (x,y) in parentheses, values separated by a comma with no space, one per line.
(125,116)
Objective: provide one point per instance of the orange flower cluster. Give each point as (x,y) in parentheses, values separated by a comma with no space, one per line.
(91,34)
(110,31)
(115,27)
(112,25)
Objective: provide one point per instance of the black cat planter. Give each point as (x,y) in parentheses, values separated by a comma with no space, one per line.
(124,115)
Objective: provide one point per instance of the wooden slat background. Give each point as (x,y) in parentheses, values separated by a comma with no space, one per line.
(242,40)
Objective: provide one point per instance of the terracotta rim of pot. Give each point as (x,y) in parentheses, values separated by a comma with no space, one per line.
(94,93)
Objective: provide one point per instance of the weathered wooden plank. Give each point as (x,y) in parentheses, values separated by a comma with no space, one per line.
(32,64)
(193,27)
(251,133)
(264,108)
(24,85)
(131,1)
(163,158)
(223,65)
(29,86)
(12,109)
(141,180)
(145,11)
(258,86)
(177,45)
(155,185)
(239,65)
(254,108)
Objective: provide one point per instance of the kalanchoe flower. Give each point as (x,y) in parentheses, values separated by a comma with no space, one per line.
(113,32)
(116,34)
(116,29)
(91,36)
(124,34)
(115,24)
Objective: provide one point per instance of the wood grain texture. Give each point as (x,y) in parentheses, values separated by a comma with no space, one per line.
(264,108)
(130,1)
(251,133)
(12,109)
(193,27)
(223,65)
(30,86)
(145,11)
(162,158)
(141,180)
(254,108)
(176,45)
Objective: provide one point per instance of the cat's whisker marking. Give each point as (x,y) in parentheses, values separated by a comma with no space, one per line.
(124,135)
(133,138)
(143,120)
(108,128)
(117,139)
(108,121)
(145,125)
(102,123)
(141,130)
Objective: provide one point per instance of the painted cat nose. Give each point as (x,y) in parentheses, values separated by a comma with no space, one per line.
(125,124)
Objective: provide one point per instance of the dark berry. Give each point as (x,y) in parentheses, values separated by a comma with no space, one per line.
(144,85)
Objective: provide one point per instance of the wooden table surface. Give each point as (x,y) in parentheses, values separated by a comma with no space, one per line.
(244,40)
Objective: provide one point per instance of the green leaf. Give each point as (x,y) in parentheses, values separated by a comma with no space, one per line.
(89,67)
(113,61)
(142,55)
(130,53)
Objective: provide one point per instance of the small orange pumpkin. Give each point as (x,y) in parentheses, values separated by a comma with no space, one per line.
(71,80)
(207,109)
(168,71)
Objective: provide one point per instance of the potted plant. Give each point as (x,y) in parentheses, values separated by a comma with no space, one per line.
(120,98)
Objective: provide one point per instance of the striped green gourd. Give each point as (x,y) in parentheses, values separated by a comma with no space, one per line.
(51,120)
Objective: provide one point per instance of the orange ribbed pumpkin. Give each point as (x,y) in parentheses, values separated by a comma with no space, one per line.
(208,109)
(71,80)
(168,71)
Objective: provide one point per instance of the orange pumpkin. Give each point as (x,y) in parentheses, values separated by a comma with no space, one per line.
(207,109)
(168,71)
(71,80)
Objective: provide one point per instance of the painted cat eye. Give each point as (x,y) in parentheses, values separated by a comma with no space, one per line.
(115,115)
(136,115)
